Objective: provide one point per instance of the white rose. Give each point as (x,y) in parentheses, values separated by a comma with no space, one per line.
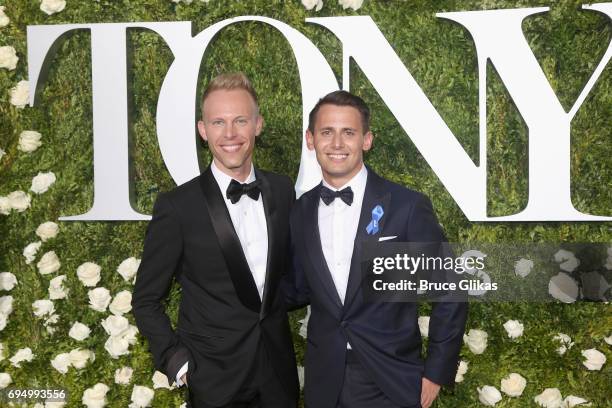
(571,401)
(54,404)
(514,328)
(6,305)
(489,395)
(57,289)
(61,362)
(354,4)
(19,200)
(595,359)
(29,141)
(8,57)
(128,268)
(130,334)
(20,94)
(42,181)
(54,318)
(608,339)
(563,287)
(116,346)
(79,331)
(115,325)
(29,252)
(80,357)
(99,298)
(461,371)
(566,343)
(304,323)
(52,6)
(47,230)
(310,4)
(24,354)
(5,380)
(476,340)
(95,397)
(523,267)
(424,326)
(4,20)
(123,375)
(141,396)
(122,303)
(43,307)
(160,380)
(567,260)
(49,263)
(89,273)
(513,385)
(7,281)
(550,398)
(3,321)
(301,376)
(5,205)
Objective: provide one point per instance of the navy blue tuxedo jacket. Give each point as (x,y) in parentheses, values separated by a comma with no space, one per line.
(385,336)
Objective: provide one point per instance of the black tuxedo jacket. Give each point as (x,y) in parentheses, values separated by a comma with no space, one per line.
(222,319)
(385,336)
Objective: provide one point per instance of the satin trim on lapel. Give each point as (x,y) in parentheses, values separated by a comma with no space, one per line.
(272,279)
(312,239)
(374,195)
(237,265)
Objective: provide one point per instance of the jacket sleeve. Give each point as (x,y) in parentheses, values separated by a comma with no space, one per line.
(294,283)
(163,247)
(447,319)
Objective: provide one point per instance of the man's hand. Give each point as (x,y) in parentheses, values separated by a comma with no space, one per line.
(429,392)
(184,379)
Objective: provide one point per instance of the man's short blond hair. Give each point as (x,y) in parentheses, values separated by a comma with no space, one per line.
(229,81)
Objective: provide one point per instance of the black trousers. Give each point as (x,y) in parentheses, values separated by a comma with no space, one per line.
(359,390)
(262,389)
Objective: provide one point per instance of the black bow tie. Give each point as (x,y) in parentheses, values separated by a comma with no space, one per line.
(327,195)
(235,190)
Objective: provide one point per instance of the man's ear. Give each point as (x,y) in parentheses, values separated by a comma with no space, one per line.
(309,140)
(202,130)
(368,138)
(259,124)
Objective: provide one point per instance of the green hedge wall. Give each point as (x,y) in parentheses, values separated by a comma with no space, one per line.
(567,41)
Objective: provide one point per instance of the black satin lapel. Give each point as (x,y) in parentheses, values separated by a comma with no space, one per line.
(312,238)
(237,264)
(374,195)
(272,269)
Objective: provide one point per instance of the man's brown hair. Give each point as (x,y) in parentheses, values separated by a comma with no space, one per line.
(229,81)
(341,98)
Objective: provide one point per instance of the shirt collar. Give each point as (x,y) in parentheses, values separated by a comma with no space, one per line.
(357,183)
(224,180)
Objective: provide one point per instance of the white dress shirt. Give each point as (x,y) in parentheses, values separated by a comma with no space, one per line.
(338,224)
(249,220)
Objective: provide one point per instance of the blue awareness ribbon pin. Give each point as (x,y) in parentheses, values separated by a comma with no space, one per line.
(377,213)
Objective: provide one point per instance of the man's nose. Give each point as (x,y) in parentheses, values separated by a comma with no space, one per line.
(230,131)
(337,141)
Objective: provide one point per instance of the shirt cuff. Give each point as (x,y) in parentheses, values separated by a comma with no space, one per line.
(180,373)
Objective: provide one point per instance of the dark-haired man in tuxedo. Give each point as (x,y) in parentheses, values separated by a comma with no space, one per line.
(362,354)
(223,236)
